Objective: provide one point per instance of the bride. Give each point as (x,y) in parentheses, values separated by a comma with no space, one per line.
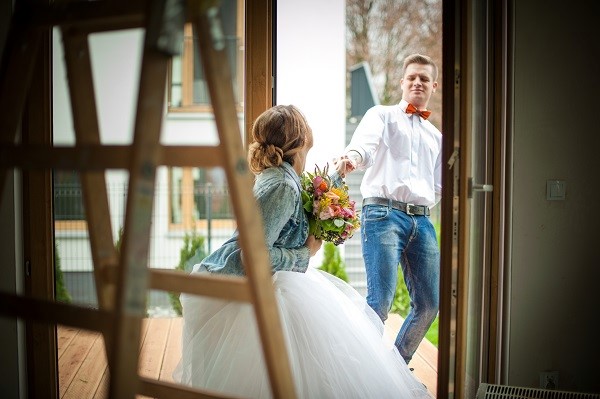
(334,339)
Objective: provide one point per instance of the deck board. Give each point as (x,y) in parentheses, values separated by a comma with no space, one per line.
(73,357)
(153,348)
(424,361)
(172,351)
(67,334)
(89,375)
(83,371)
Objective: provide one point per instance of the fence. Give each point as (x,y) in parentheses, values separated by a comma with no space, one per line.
(166,237)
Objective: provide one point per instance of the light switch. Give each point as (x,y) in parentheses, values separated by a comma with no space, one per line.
(556,190)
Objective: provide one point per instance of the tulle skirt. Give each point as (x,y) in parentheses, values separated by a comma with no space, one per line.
(334,339)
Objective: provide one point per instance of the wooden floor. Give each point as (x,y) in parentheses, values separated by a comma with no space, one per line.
(83,369)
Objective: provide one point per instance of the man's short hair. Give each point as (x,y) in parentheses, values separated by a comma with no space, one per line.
(420,59)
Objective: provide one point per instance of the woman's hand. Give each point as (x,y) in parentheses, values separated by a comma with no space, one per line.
(313,245)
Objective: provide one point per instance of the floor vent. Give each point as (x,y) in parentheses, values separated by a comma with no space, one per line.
(491,391)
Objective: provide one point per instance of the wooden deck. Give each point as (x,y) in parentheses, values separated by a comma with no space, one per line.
(83,372)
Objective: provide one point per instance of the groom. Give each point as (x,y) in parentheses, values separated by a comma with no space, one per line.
(401,153)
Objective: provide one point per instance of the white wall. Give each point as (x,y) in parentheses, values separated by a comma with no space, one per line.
(554,299)
(311,70)
(311,74)
(116,60)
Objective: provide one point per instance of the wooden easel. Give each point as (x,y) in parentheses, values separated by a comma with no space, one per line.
(122,280)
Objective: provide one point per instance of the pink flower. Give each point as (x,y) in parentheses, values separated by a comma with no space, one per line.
(320,185)
(331,212)
(327,213)
(332,196)
(348,213)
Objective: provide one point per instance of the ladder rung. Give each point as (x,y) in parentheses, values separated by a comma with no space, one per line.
(91,16)
(234,288)
(85,157)
(162,389)
(46,311)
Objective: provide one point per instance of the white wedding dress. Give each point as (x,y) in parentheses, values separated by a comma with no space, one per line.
(334,340)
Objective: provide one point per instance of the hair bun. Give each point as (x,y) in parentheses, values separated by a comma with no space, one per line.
(273,156)
(263,155)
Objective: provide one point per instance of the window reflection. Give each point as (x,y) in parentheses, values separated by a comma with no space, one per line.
(188,86)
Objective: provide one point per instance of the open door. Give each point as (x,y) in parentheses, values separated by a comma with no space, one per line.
(474,207)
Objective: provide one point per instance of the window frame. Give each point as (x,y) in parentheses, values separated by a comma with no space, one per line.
(188,206)
(68,224)
(187,70)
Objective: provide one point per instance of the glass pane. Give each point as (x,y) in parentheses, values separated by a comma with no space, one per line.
(233,49)
(176,83)
(116,58)
(477,323)
(68,197)
(213,213)
(211,195)
(201,95)
(175,190)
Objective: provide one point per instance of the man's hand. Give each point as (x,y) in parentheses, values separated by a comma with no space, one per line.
(347,163)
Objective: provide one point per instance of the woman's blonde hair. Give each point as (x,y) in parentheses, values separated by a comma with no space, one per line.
(278,134)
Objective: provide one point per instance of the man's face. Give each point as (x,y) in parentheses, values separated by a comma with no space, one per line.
(417,85)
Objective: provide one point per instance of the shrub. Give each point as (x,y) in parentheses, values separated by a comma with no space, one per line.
(62,295)
(401,302)
(191,253)
(119,239)
(332,262)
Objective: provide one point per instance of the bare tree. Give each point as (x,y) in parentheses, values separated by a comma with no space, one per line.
(383,32)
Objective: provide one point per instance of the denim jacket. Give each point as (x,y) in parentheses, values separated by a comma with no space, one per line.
(277,192)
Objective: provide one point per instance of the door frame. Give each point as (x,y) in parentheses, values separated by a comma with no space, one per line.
(259,73)
(455,197)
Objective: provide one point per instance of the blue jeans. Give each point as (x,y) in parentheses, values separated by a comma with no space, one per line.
(391,237)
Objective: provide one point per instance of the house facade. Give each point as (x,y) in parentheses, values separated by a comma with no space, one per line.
(192,200)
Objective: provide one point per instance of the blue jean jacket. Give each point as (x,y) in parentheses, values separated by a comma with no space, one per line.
(277,192)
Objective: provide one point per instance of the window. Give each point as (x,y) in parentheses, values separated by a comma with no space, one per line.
(188,91)
(198,197)
(69,211)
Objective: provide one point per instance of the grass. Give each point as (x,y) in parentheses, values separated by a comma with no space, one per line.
(433,332)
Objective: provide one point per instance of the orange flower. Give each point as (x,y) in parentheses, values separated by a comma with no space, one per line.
(331,213)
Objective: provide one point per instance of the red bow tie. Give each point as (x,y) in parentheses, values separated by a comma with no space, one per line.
(411,109)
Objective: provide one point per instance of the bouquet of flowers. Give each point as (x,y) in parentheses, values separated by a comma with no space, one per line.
(332,215)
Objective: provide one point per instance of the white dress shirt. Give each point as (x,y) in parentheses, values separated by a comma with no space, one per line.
(401,153)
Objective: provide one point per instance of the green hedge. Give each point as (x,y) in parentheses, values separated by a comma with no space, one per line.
(332,261)
(61,295)
(191,252)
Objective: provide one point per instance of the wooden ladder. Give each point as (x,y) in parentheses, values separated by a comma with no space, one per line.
(122,277)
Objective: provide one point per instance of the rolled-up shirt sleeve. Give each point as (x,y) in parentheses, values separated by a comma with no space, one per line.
(367,137)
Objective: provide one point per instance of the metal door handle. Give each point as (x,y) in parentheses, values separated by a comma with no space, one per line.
(478,187)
